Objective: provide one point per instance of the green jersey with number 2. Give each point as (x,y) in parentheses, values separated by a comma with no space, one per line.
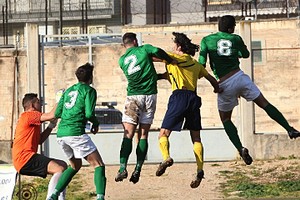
(224,50)
(139,70)
(75,108)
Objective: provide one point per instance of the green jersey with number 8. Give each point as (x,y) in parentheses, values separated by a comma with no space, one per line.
(139,70)
(224,50)
(75,108)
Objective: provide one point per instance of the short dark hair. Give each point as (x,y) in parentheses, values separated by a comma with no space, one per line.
(186,45)
(128,38)
(84,73)
(226,22)
(28,98)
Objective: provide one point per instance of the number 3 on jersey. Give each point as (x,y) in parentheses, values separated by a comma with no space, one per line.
(71,103)
(224,47)
(131,61)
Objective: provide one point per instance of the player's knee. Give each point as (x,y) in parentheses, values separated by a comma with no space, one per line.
(97,163)
(164,133)
(57,166)
(62,166)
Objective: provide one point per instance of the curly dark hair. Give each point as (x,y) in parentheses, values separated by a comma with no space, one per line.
(85,72)
(185,43)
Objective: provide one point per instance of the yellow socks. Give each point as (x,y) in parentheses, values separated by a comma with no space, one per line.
(164,147)
(198,151)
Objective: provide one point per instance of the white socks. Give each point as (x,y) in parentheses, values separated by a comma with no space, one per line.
(51,187)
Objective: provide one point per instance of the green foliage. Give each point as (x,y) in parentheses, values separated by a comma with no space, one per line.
(215,165)
(40,185)
(289,186)
(275,182)
(290,157)
(250,190)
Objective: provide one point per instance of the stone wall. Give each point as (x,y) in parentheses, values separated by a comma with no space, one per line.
(277,75)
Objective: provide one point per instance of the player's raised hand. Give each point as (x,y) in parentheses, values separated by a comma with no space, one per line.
(52,123)
(155,59)
(218,90)
(94,129)
(164,75)
(58,94)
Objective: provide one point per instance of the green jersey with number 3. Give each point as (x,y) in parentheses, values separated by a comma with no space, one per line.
(139,70)
(224,50)
(75,108)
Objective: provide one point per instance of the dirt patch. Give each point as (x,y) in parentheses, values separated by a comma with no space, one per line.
(175,183)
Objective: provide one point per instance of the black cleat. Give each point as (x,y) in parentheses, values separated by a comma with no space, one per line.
(121,175)
(53,197)
(293,134)
(135,177)
(196,182)
(163,166)
(244,153)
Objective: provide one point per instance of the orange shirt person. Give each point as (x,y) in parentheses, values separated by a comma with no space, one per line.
(28,136)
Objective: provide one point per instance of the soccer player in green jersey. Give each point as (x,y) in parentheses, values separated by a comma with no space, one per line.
(75,108)
(140,103)
(224,50)
(184,103)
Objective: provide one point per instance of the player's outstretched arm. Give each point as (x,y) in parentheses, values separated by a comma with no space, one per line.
(214,83)
(164,75)
(243,51)
(156,59)
(94,129)
(48,116)
(45,134)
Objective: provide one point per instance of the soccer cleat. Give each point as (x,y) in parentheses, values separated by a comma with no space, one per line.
(244,153)
(121,175)
(135,177)
(53,197)
(293,134)
(100,197)
(163,166)
(196,182)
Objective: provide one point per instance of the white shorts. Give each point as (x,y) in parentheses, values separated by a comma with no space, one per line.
(139,109)
(238,85)
(77,146)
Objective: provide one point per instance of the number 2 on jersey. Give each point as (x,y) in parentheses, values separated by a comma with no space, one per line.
(71,103)
(132,68)
(224,47)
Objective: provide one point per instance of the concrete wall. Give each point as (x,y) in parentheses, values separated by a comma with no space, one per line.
(216,147)
(277,77)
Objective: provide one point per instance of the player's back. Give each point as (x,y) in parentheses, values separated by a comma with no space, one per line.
(224,50)
(186,73)
(138,68)
(73,115)
(27,138)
